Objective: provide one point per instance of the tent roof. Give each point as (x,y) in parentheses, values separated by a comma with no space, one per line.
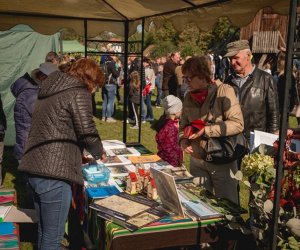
(50,16)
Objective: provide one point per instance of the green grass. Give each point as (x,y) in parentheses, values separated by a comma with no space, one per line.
(15,179)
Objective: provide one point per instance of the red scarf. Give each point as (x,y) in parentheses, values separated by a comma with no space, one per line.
(199,96)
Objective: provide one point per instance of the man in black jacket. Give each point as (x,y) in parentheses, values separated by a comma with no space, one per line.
(256,90)
(169,82)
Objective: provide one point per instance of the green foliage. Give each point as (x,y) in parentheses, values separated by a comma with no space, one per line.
(163,48)
(166,33)
(191,41)
(223,30)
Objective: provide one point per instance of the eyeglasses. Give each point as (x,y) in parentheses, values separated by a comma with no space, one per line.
(188,79)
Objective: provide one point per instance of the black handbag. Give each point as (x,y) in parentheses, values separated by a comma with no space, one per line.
(225,149)
(221,150)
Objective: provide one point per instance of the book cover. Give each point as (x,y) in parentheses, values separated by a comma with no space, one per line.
(140,148)
(118,170)
(123,206)
(122,151)
(144,158)
(110,144)
(201,209)
(115,160)
(138,221)
(180,174)
(191,192)
(167,191)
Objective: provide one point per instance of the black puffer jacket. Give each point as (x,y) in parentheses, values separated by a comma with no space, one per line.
(62,125)
(259,102)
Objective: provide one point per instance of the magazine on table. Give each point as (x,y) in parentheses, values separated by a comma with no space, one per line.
(180,174)
(144,159)
(112,144)
(192,192)
(140,148)
(115,160)
(122,151)
(123,206)
(138,221)
(121,170)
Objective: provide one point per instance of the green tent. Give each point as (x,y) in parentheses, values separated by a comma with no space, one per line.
(72,46)
(21,51)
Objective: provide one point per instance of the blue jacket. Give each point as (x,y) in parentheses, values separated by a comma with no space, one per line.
(2,122)
(25,91)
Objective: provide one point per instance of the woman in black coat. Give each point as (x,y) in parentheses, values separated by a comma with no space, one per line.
(62,126)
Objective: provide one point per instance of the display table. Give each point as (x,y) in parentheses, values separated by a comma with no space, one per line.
(110,236)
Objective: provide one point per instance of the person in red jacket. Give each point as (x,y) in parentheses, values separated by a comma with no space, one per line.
(167,129)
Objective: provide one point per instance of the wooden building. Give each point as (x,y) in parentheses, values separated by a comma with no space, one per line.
(267,32)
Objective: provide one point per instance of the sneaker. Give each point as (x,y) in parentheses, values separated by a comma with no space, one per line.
(103,119)
(143,121)
(149,119)
(130,120)
(135,127)
(157,106)
(110,119)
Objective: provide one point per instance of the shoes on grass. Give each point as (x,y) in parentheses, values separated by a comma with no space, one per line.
(135,127)
(130,121)
(149,119)
(110,120)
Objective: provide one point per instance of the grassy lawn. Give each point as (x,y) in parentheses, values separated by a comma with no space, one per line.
(14,179)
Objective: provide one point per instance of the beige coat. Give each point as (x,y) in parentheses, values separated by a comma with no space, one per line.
(227,113)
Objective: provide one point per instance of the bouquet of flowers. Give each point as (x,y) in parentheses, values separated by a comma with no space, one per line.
(258,173)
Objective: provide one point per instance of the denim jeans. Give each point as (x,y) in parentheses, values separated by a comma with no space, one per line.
(109,94)
(143,109)
(52,200)
(149,106)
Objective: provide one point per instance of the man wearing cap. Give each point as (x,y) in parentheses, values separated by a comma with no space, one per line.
(255,89)
(25,90)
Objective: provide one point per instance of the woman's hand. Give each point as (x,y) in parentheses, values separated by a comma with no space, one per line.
(103,156)
(197,134)
(186,147)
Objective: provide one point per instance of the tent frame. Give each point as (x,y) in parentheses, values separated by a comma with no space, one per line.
(288,75)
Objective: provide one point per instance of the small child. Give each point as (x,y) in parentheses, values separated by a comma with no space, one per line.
(167,129)
(134,96)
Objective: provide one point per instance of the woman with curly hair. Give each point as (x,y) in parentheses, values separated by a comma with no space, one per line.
(62,126)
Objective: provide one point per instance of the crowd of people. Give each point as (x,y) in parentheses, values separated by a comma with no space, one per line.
(54,118)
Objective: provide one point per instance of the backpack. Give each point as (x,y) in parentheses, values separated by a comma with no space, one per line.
(107,77)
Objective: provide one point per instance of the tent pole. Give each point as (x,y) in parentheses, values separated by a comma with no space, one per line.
(61,37)
(126,80)
(142,70)
(283,121)
(85,38)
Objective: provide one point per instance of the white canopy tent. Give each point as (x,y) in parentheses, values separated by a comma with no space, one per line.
(89,18)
